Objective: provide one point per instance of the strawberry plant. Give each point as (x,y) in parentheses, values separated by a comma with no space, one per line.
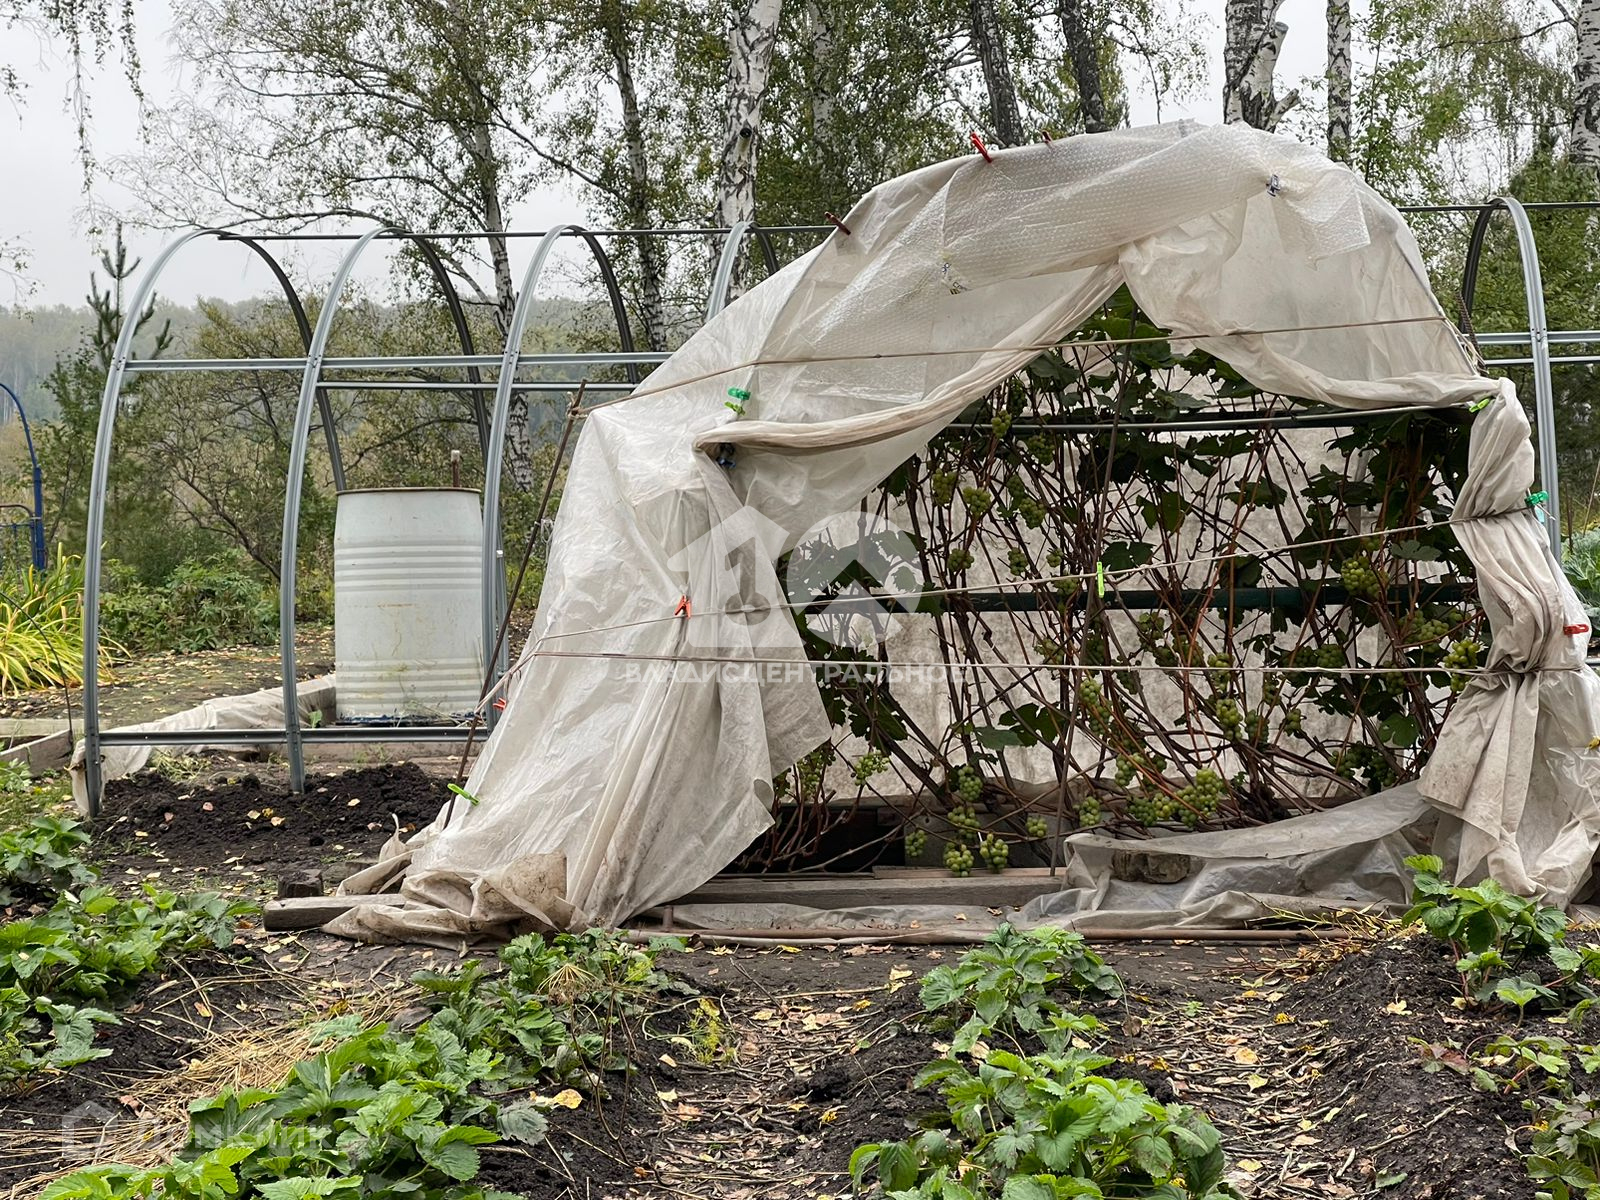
(1039,1128)
(378,1114)
(1494,934)
(40,860)
(1005,984)
(91,947)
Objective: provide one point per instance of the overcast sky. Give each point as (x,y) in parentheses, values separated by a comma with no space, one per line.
(42,202)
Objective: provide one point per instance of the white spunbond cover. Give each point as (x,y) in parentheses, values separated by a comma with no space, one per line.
(252,710)
(638,746)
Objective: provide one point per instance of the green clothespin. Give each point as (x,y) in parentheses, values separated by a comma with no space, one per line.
(1479,405)
(1100,578)
(736,405)
(1536,501)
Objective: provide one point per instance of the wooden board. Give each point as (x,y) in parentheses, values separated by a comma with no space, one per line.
(902,886)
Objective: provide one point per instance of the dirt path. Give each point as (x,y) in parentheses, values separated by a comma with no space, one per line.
(154,685)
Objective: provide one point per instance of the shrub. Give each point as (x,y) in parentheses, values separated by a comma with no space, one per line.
(200,606)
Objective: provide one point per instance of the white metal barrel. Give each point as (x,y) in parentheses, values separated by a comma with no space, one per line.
(407,595)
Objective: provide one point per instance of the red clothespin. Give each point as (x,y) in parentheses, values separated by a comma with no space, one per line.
(838,224)
(1574,630)
(499,704)
(683,608)
(978,145)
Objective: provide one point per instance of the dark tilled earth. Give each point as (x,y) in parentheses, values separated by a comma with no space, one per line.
(1309,1056)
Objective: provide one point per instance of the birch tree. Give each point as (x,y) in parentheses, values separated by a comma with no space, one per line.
(750,43)
(1083,52)
(1253,40)
(1340,80)
(1583,145)
(989,46)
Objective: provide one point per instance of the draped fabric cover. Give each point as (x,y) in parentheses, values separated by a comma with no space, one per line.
(628,768)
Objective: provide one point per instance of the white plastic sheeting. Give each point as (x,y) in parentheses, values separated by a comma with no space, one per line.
(638,746)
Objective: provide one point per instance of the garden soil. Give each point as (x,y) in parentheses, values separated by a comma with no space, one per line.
(1311,1057)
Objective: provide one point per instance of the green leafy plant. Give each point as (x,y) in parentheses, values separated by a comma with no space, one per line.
(1004,985)
(1566,1149)
(386,1115)
(40,861)
(1493,933)
(1039,1128)
(199,606)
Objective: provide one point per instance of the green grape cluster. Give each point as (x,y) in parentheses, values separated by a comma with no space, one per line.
(1038,827)
(1150,808)
(916,842)
(943,486)
(1462,656)
(1228,716)
(811,770)
(1219,676)
(1089,812)
(873,762)
(968,785)
(1330,656)
(1424,630)
(1049,652)
(1053,557)
(1031,511)
(1042,446)
(1165,655)
(1127,771)
(958,859)
(978,500)
(1360,578)
(965,823)
(1001,424)
(1151,628)
(1017,562)
(1271,688)
(1294,722)
(1202,797)
(1096,707)
(958,560)
(995,852)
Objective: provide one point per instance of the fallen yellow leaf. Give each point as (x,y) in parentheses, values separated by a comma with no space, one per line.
(1256,1082)
(1398,1007)
(569,1098)
(1245,1055)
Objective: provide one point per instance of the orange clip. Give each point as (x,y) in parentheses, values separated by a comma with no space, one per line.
(683,607)
(499,704)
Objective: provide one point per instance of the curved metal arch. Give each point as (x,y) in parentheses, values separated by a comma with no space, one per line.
(36,477)
(293,486)
(768,254)
(1538,336)
(303,323)
(109,399)
(458,315)
(723,276)
(493,578)
(619,308)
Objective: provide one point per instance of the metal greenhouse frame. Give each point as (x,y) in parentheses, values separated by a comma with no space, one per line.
(491,408)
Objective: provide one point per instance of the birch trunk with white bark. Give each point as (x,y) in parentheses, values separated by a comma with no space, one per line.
(1254,38)
(636,195)
(750,46)
(1339,80)
(1084,55)
(1584,145)
(988,40)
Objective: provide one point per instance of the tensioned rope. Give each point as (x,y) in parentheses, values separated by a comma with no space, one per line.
(539,650)
(1028,347)
(1039,581)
